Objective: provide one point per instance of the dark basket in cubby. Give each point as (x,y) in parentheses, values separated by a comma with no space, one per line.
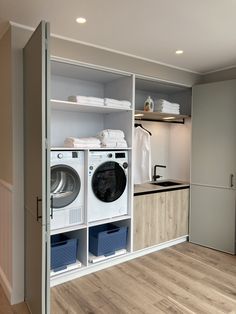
(106,239)
(63,251)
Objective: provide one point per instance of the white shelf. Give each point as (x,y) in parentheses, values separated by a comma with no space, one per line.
(73,106)
(87,149)
(68,229)
(105,221)
(159,116)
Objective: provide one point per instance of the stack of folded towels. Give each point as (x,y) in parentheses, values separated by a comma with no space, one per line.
(95,101)
(112,138)
(165,106)
(84,100)
(82,142)
(113,103)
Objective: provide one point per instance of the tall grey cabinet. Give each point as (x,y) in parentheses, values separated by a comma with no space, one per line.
(213,166)
(37,171)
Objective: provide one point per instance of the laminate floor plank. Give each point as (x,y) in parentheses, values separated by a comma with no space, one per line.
(183,279)
(6,308)
(223,261)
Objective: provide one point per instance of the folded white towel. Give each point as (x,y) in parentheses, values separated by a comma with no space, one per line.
(83,140)
(114,102)
(169,111)
(115,144)
(84,100)
(112,140)
(110,133)
(81,145)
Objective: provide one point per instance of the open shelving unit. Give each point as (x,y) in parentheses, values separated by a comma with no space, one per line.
(71,119)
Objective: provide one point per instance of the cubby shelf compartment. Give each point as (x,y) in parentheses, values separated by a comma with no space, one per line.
(160,117)
(73,106)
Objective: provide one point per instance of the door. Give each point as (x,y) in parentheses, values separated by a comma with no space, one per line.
(213,134)
(212,222)
(37,170)
(109,181)
(65,185)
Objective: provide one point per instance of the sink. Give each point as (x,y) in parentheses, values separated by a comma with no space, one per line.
(166,183)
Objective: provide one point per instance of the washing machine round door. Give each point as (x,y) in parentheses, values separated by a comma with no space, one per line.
(109,181)
(65,185)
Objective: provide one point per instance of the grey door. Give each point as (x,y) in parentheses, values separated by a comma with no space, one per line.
(212,218)
(37,170)
(214,133)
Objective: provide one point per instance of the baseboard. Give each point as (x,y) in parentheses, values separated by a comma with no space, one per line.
(6,286)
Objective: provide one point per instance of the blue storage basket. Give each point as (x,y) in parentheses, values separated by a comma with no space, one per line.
(106,239)
(63,251)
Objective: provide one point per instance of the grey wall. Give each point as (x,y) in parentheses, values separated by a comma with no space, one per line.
(5,109)
(219,76)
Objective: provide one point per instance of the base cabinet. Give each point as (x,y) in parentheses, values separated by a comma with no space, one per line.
(177,213)
(160,217)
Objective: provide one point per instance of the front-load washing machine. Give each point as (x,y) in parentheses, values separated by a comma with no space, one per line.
(67,188)
(107,184)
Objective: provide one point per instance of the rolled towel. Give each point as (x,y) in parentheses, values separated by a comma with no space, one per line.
(111,134)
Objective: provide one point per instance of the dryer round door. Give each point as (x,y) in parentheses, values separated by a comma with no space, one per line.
(65,185)
(109,181)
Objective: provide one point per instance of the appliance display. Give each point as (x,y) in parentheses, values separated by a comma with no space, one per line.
(107,184)
(67,188)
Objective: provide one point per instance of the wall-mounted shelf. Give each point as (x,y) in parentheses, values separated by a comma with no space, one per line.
(74,106)
(160,117)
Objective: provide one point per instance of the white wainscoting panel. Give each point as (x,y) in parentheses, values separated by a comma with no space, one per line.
(6,237)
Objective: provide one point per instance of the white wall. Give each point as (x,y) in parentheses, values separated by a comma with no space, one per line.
(170,146)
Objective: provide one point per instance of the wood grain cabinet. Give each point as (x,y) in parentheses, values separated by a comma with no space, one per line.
(160,217)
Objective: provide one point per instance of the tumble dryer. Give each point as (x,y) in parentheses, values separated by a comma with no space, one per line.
(107,184)
(67,188)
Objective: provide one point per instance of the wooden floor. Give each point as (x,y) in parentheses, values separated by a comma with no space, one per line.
(6,308)
(185,278)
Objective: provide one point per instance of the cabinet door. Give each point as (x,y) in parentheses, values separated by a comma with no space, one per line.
(37,171)
(149,220)
(213,133)
(212,218)
(177,209)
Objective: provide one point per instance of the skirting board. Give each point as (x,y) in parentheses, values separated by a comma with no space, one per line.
(5,285)
(57,280)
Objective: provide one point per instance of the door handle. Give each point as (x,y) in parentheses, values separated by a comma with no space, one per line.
(231,180)
(51,199)
(39,200)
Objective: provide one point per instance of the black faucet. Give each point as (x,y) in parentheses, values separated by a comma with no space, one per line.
(155,175)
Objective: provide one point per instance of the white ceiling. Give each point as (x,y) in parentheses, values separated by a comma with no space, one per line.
(151,29)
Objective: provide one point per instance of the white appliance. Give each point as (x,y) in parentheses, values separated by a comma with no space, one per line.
(107,184)
(67,188)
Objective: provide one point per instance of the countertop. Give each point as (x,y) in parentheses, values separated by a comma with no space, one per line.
(148,188)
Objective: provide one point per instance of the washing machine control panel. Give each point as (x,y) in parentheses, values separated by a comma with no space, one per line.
(60,155)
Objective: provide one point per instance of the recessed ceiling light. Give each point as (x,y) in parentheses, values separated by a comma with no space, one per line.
(179,52)
(81,20)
